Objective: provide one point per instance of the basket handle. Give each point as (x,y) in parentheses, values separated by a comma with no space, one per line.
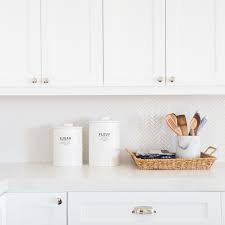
(214,149)
(129,152)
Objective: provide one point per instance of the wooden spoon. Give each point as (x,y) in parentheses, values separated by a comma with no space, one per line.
(198,118)
(182,123)
(172,125)
(193,125)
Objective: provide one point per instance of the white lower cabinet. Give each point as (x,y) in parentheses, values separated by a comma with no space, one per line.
(3,210)
(223,207)
(133,208)
(36,209)
(113,208)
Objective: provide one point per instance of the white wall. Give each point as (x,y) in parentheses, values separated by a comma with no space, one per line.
(25,121)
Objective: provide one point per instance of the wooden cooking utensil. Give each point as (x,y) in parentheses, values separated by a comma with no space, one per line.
(193,125)
(182,123)
(174,117)
(198,118)
(172,125)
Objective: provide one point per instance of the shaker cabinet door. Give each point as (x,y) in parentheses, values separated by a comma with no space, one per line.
(195,42)
(223,207)
(146,208)
(20,48)
(36,209)
(72,42)
(3,210)
(134,42)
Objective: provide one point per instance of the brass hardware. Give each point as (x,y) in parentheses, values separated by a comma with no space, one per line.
(172,79)
(45,81)
(160,79)
(143,210)
(214,149)
(34,80)
(59,201)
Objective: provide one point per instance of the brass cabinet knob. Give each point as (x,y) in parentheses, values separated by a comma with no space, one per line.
(34,80)
(172,79)
(143,210)
(160,79)
(45,81)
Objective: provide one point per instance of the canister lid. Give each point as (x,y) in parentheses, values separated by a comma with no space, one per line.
(68,126)
(105,119)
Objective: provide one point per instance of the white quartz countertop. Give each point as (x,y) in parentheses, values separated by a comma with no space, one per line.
(46,178)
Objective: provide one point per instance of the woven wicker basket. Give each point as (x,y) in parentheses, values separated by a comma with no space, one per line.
(203,163)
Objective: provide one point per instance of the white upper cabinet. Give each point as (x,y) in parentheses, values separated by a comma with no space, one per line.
(134,42)
(72,42)
(20,49)
(195,42)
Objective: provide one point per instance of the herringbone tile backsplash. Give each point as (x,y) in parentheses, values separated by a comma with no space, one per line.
(25,121)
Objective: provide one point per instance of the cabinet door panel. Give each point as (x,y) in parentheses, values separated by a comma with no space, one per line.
(20,48)
(72,42)
(117,208)
(223,207)
(134,42)
(195,42)
(3,210)
(36,209)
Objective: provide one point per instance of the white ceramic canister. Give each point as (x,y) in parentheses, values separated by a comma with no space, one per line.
(188,147)
(67,146)
(104,142)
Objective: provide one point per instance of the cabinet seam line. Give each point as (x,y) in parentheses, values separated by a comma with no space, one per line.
(41,39)
(165,60)
(103,46)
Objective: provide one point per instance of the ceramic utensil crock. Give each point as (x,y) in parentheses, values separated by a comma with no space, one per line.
(188,147)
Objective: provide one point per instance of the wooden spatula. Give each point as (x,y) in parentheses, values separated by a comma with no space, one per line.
(172,125)
(174,117)
(182,123)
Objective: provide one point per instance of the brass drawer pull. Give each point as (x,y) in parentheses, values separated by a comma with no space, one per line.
(143,210)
